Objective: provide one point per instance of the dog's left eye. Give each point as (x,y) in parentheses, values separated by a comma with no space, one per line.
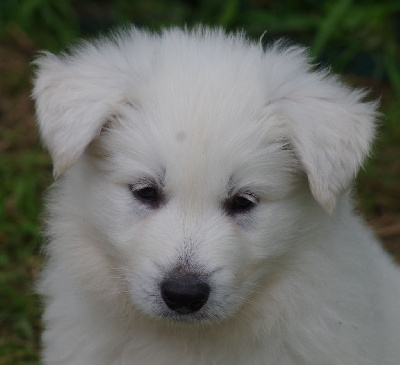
(240,203)
(147,194)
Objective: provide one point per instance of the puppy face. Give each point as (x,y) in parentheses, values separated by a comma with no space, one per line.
(197,212)
(190,154)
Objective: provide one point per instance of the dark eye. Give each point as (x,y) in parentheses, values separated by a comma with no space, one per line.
(148,195)
(240,203)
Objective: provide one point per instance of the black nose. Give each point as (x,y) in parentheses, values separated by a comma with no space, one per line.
(184,293)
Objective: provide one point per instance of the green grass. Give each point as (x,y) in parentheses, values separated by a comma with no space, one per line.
(24,173)
(378,183)
(356,37)
(23,178)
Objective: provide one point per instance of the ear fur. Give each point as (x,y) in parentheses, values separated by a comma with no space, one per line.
(330,126)
(74,97)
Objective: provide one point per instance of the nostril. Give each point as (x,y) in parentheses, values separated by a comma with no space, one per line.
(184,294)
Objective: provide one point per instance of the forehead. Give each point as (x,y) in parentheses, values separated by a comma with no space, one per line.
(194,97)
(202,111)
(204,151)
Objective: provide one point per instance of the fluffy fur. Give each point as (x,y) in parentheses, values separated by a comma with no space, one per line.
(251,153)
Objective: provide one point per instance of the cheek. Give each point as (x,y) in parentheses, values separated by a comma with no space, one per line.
(279,227)
(110,216)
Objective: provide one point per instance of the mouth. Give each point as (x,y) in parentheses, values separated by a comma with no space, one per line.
(202,317)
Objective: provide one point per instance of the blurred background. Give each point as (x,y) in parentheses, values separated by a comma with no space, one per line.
(358,39)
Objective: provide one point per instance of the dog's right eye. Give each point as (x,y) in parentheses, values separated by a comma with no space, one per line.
(240,203)
(148,195)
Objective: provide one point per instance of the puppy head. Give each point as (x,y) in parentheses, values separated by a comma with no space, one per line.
(189,152)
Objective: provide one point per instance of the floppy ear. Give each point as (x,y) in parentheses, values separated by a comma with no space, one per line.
(331,129)
(74,95)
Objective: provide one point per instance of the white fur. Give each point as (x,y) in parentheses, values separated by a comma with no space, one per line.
(296,280)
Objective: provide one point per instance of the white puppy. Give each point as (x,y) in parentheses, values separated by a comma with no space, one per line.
(202,213)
